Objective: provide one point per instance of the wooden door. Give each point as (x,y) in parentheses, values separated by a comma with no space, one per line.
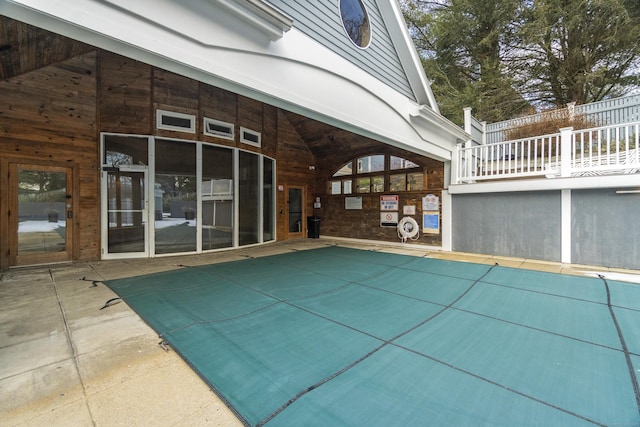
(41,214)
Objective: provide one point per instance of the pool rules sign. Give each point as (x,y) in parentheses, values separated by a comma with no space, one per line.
(431,214)
(389,211)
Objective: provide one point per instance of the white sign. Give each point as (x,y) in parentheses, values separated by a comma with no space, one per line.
(388,219)
(409,210)
(430,202)
(388,203)
(353,202)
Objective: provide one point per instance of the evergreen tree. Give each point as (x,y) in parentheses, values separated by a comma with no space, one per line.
(580,50)
(501,57)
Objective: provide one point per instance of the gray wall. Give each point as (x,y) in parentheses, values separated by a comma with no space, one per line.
(605,228)
(321,21)
(524,225)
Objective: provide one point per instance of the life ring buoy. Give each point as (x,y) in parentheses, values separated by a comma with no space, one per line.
(408,228)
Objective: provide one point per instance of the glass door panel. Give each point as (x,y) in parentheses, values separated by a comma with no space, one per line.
(176,197)
(126,212)
(216,188)
(295,211)
(248,198)
(44,220)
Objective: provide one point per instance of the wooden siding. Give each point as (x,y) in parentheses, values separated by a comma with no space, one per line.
(124,95)
(48,117)
(321,21)
(53,115)
(24,48)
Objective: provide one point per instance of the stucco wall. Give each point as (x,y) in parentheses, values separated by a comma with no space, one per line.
(525,225)
(605,228)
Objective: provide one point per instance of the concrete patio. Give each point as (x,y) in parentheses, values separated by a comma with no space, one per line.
(66,359)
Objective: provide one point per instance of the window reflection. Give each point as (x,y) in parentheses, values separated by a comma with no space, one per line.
(176,183)
(217,197)
(248,180)
(356,21)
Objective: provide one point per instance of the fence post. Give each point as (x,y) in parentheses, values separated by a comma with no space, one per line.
(565,151)
(455,165)
(467,120)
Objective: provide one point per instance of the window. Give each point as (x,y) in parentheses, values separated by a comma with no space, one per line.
(347,169)
(364,185)
(396,163)
(170,120)
(347,186)
(218,128)
(415,181)
(336,187)
(250,137)
(406,175)
(355,22)
(176,204)
(371,164)
(398,182)
(377,184)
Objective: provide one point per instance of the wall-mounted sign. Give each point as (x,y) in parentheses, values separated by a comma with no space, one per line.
(431,202)
(353,202)
(431,222)
(409,210)
(389,203)
(388,219)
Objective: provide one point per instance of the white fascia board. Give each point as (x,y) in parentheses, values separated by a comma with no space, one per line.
(257,12)
(294,73)
(407,53)
(548,184)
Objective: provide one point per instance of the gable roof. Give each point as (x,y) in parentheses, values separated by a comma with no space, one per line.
(253,48)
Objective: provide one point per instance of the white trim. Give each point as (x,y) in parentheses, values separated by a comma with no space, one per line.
(416,246)
(218,134)
(447,221)
(160,114)
(245,131)
(611,181)
(565,226)
(261,15)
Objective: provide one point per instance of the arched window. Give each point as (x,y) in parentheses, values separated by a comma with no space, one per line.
(355,21)
(376,174)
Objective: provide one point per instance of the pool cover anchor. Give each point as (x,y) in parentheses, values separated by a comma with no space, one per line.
(164,345)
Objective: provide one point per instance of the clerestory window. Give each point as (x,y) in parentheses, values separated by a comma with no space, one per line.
(376,174)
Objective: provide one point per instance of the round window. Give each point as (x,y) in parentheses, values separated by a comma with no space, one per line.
(356,22)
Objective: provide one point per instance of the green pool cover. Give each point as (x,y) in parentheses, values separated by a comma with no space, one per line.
(345,337)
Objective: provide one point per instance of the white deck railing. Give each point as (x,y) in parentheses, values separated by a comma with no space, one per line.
(607,112)
(588,152)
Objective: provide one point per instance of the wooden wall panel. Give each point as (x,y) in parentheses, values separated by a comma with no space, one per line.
(250,115)
(270,131)
(26,48)
(172,92)
(48,117)
(219,104)
(292,162)
(124,95)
